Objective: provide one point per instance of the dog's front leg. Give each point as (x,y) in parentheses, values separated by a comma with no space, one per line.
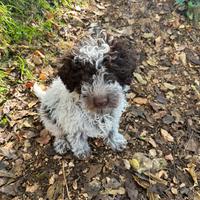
(115,139)
(79,144)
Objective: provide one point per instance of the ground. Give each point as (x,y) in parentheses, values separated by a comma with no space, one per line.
(161,123)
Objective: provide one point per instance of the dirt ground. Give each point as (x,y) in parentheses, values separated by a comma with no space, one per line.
(161,123)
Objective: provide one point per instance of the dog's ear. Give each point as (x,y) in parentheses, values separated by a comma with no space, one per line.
(121,61)
(70,74)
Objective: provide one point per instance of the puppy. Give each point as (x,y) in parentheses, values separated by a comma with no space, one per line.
(87,97)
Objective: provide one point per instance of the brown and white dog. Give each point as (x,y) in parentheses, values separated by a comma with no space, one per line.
(88,96)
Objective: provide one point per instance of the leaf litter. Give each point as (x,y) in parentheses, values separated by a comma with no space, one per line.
(162,97)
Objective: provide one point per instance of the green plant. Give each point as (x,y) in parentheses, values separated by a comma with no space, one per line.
(22,66)
(3,86)
(192,9)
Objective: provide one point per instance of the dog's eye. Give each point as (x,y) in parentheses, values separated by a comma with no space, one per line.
(84,96)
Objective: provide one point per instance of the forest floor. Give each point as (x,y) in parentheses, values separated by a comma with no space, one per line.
(161,123)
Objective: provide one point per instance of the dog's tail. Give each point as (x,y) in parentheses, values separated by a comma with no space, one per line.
(38,91)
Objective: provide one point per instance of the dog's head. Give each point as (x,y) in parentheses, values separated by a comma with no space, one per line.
(98,72)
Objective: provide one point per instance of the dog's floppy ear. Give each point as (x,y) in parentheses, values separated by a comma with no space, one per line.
(121,61)
(70,74)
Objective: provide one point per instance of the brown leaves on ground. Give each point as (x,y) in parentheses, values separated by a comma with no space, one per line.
(44,137)
(161,123)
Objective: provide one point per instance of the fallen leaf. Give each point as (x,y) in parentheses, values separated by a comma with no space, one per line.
(135,164)
(94,170)
(174,191)
(183,59)
(143,183)
(140,162)
(112,183)
(4,173)
(169,86)
(114,192)
(159,114)
(152,142)
(38,53)
(169,157)
(140,100)
(43,76)
(29,85)
(158,41)
(193,145)
(130,95)
(8,151)
(140,78)
(153,196)
(131,189)
(148,35)
(158,164)
(44,137)
(32,188)
(152,61)
(166,135)
(168,119)
(197,195)
(37,60)
(192,172)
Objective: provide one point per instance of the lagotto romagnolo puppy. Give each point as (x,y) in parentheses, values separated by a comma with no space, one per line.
(88,96)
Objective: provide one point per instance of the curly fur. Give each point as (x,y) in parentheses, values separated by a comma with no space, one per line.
(87,98)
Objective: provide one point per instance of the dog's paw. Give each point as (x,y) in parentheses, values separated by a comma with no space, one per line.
(82,153)
(61,146)
(117,142)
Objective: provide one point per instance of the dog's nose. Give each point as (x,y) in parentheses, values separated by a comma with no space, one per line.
(100,101)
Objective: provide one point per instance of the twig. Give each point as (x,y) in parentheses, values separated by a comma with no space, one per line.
(65,181)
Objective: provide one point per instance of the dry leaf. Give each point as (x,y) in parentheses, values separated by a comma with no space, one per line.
(38,53)
(148,35)
(174,190)
(153,196)
(169,86)
(183,59)
(192,172)
(197,195)
(140,100)
(152,62)
(140,78)
(166,135)
(169,157)
(29,84)
(43,76)
(44,137)
(32,188)
(152,142)
(114,192)
(143,183)
(140,162)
